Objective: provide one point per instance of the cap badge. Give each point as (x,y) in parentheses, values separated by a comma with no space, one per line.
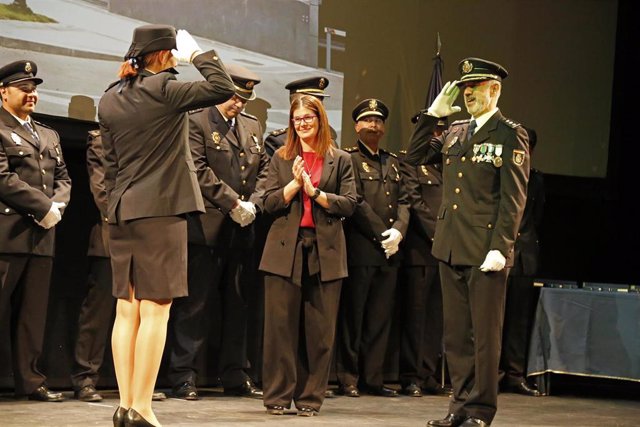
(373,104)
(27,67)
(250,84)
(322,83)
(467,67)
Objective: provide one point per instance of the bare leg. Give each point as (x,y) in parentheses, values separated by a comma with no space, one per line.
(123,338)
(149,346)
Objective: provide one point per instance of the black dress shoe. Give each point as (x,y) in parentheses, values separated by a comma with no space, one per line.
(349,390)
(438,390)
(87,393)
(451,420)
(275,410)
(118,416)
(133,418)
(187,391)
(43,394)
(526,389)
(382,391)
(307,411)
(329,394)
(474,422)
(246,389)
(412,390)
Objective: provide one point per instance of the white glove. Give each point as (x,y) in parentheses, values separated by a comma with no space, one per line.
(494,261)
(392,241)
(52,217)
(443,106)
(244,213)
(187,47)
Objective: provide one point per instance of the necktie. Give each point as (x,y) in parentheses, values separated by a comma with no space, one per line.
(32,132)
(233,129)
(471,129)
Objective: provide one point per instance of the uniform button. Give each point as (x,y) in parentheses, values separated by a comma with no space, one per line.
(217,147)
(448,161)
(41,156)
(428,182)
(459,174)
(489,226)
(44,172)
(243,167)
(463,159)
(7,210)
(390,219)
(215,58)
(21,152)
(390,206)
(242,197)
(370,178)
(518,234)
(44,186)
(455,207)
(244,181)
(384,181)
(242,154)
(457,190)
(387,193)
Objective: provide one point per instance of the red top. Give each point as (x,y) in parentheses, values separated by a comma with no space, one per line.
(313,166)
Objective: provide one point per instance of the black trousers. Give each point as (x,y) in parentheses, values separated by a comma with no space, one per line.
(421,325)
(24,296)
(94,324)
(221,279)
(299,332)
(522,297)
(473,304)
(364,324)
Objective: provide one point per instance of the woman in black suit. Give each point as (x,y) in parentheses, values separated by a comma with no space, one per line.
(310,188)
(151,184)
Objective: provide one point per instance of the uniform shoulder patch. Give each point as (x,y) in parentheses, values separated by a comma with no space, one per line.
(351,149)
(197,110)
(278,132)
(251,116)
(511,123)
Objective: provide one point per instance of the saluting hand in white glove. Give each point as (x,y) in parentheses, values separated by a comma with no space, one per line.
(187,47)
(443,106)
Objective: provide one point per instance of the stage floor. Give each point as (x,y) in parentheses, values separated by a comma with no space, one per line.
(219,410)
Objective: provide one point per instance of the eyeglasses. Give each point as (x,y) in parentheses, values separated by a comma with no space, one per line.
(307,119)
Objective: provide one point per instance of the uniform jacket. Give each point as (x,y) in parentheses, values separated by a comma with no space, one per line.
(148,167)
(229,168)
(424,190)
(32,175)
(527,247)
(483,198)
(337,182)
(99,237)
(382,204)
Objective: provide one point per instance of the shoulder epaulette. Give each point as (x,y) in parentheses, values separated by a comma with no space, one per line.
(351,149)
(388,152)
(460,122)
(42,124)
(94,133)
(197,110)
(402,151)
(251,116)
(278,132)
(510,122)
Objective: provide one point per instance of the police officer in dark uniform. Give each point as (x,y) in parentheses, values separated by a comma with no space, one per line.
(485,174)
(521,294)
(313,86)
(374,233)
(419,284)
(227,150)
(34,190)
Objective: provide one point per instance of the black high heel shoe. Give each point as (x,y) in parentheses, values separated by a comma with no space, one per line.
(118,417)
(133,418)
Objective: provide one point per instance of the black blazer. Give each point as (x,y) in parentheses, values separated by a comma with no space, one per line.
(482,201)
(337,182)
(144,125)
(32,175)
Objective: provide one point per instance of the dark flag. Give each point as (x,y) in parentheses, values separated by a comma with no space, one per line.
(435,84)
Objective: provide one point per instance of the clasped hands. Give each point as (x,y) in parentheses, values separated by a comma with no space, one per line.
(301,176)
(392,242)
(53,216)
(244,213)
